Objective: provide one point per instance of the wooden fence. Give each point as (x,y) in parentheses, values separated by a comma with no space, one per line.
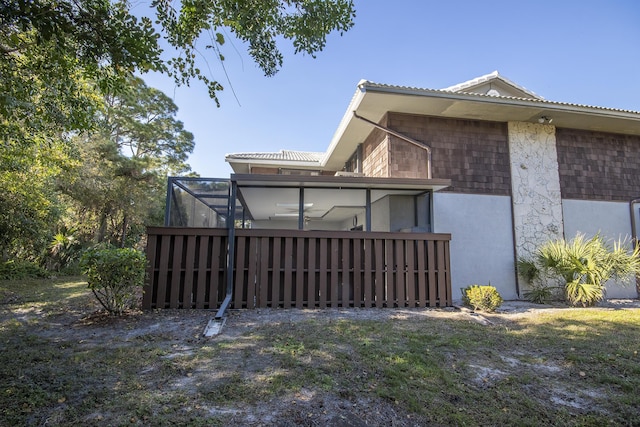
(303,269)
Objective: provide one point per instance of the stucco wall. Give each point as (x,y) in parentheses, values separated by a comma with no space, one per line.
(481,240)
(610,219)
(537,203)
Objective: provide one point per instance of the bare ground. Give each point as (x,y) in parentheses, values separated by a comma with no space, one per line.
(179,333)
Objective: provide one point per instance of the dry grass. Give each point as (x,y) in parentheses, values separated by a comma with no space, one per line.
(65,363)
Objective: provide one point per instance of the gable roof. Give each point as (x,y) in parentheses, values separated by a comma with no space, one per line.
(374,100)
(493,84)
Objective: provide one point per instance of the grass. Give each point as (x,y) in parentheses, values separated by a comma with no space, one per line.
(63,364)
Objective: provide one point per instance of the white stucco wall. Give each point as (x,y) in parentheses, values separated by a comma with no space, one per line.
(481,240)
(610,219)
(535,184)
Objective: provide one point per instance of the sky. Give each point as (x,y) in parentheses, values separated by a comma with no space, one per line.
(576,51)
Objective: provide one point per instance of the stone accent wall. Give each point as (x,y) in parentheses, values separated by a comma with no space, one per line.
(375,153)
(536,199)
(598,165)
(474,154)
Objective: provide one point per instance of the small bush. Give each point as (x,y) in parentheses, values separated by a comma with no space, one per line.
(114,276)
(481,297)
(17,270)
(540,294)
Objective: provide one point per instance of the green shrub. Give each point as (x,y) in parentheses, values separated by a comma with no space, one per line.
(115,276)
(16,270)
(481,297)
(540,294)
(584,265)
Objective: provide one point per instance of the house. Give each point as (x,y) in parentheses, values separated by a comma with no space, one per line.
(496,166)
(420,192)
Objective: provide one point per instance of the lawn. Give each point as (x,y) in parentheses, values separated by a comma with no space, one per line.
(63,362)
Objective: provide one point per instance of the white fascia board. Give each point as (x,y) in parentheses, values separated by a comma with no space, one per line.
(280,164)
(520,102)
(346,119)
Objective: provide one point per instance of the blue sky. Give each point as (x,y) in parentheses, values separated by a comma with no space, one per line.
(583,52)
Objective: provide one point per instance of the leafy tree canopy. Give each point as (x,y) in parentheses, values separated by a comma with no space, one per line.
(55,53)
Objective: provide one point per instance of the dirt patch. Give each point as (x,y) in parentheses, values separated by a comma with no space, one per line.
(205,372)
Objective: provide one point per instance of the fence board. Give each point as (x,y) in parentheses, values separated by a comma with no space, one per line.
(423,297)
(288,272)
(400,274)
(299,272)
(345,281)
(410,275)
(442,275)
(285,268)
(163,271)
(147,296)
(324,284)
(263,276)
(334,280)
(241,267)
(275,261)
(190,262)
(217,280)
(431,262)
(379,273)
(312,290)
(357,272)
(251,278)
(368,279)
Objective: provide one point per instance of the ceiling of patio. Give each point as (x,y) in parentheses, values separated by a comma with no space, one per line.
(277,197)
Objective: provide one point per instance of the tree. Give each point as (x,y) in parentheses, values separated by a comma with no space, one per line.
(55,53)
(259,23)
(59,59)
(119,185)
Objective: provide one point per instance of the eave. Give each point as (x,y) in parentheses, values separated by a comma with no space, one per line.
(373,101)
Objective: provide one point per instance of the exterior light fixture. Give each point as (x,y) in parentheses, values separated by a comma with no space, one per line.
(545,120)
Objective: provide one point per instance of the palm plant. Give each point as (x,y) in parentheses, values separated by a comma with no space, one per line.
(585,265)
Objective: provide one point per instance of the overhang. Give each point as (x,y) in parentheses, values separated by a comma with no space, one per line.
(373,101)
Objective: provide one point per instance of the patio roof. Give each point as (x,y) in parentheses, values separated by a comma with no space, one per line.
(278,197)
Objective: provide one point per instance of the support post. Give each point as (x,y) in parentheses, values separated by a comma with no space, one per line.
(231,249)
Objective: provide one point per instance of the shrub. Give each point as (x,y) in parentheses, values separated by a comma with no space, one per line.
(481,297)
(115,276)
(16,270)
(540,294)
(585,265)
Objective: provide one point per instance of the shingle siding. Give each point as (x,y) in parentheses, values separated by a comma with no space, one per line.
(598,165)
(473,154)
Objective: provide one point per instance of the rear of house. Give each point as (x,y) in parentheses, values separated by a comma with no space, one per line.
(522,170)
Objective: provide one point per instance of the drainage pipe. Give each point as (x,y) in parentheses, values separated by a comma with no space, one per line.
(633,219)
(231,249)
(403,137)
(634,236)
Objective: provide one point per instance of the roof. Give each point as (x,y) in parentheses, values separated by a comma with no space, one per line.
(484,85)
(282,155)
(373,100)
(490,97)
(242,162)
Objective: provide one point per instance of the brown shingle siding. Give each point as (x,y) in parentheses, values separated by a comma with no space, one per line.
(473,154)
(598,165)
